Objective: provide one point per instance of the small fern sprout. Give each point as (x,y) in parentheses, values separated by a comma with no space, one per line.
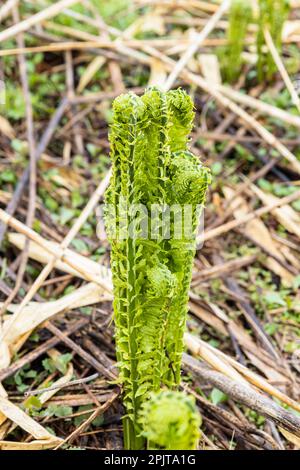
(171,421)
(267,15)
(272,15)
(240,15)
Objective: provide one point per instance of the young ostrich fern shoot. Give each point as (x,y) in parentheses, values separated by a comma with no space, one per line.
(156,192)
(240,15)
(272,15)
(171,421)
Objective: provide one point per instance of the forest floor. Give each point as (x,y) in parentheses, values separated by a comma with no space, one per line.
(61,70)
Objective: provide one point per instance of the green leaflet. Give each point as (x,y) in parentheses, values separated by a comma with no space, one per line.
(170,421)
(154,180)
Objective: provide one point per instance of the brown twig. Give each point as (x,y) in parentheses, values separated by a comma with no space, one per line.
(232,224)
(91,418)
(24,25)
(192,49)
(245,395)
(84,380)
(38,351)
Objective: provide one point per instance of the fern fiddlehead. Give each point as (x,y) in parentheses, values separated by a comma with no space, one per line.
(152,171)
(170,421)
